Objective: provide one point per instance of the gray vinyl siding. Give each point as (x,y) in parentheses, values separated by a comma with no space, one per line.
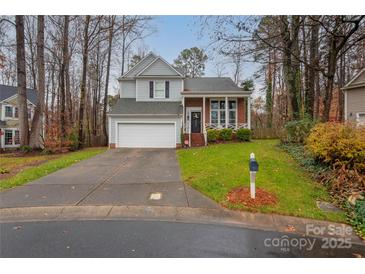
(143,90)
(115,119)
(128,89)
(355,102)
(158,68)
(140,66)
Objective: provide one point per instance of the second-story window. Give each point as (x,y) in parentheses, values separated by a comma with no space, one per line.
(159,89)
(9,111)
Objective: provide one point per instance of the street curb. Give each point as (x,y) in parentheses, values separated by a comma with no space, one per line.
(267,222)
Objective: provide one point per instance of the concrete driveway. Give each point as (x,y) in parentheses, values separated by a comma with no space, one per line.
(116,177)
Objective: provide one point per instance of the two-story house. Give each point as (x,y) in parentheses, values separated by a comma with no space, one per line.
(160,108)
(9,122)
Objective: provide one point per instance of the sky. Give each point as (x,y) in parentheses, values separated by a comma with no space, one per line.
(175,33)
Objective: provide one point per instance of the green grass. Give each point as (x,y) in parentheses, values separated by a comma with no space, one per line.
(52,165)
(216,169)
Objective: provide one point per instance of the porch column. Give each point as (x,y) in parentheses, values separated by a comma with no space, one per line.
(203,113)
(226,112)
(249,112)
(183,118)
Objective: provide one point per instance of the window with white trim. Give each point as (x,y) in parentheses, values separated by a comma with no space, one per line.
(8,111)
(11,137)
(159,91)
(361,118)
(218,112)
(8,137)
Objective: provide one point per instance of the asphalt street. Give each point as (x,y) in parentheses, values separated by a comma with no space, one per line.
(160,239)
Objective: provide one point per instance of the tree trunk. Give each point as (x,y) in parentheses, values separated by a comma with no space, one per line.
(306,96)
(291,66)
(37,123)
(21,76)
(62,94)
(110,44)
(331,70)
(312,73)
(85,52)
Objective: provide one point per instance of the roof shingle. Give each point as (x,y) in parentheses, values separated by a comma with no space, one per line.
(8,91)
(211,85)
(131,106)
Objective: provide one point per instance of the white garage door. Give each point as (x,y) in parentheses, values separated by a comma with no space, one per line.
(146,135)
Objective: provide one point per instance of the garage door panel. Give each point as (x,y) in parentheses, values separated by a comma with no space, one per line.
(152,135)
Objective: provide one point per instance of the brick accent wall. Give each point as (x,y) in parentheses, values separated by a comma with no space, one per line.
(241,110)
(198,102)
(193,102)
(207,110)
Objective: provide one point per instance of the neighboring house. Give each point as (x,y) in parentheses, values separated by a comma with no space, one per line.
(9,122)
(159,107)
(354,93)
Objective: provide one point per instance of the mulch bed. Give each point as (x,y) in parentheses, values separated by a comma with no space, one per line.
(241,196)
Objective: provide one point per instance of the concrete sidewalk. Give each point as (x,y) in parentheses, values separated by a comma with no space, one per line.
(268,222)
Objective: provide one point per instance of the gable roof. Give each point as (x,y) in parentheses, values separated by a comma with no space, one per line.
(144,68)
(149,58)
(211,85)
(9,91)
(159,67)
(357,81)
(129,106)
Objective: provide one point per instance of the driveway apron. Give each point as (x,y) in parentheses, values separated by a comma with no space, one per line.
(116,177)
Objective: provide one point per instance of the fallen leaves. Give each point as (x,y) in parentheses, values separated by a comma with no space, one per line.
(241,195)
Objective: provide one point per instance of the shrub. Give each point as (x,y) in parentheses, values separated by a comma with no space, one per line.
(73,141)
(26,149)
(297,131)
(225,134)
(212,135)
(3,170)
(358,217)
(243,134)
(336,143)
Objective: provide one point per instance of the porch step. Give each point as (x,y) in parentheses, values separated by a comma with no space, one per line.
(197,139)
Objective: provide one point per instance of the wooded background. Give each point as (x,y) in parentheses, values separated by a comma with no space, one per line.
(303,61)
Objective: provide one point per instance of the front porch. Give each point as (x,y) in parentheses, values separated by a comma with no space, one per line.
(213,112)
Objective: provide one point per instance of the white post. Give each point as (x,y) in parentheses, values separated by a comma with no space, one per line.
(183,119)
(226,112)
(249,112)
(203,113)
(252,180)
(252,184)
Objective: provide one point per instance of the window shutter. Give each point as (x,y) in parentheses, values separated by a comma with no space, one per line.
(167,89)
(151,89)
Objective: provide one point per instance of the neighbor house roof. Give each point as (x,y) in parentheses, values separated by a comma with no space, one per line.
(129,106)
(9,91)
(357,81)
(211,85)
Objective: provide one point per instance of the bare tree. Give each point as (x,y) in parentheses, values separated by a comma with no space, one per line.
(111,20)
(21,75)
(37,122)
(64,66)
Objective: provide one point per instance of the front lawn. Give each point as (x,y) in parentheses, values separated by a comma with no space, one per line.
(24,169)
(216,169)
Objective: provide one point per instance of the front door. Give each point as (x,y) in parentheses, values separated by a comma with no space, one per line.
(195,122)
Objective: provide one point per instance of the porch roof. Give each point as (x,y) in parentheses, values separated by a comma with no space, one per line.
(212,85)
(129,106)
